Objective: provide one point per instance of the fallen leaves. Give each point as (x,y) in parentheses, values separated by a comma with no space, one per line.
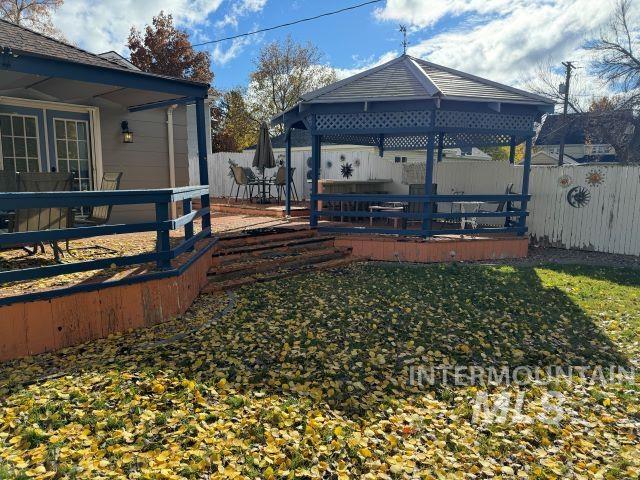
(308,377)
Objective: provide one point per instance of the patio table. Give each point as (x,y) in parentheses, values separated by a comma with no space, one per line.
(468,207)
(388,208)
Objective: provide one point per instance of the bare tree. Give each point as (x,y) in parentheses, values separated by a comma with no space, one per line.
(32,14)
(616,60)
(546,82)
(284,72)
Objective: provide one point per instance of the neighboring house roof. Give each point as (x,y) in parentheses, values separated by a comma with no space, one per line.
(580,127)
(410,78)
(23,40)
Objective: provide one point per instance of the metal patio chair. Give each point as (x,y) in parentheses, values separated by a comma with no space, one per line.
(241,179)
(43,218)
(280,181)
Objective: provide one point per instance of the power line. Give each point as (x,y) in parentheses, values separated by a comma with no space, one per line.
(288,24)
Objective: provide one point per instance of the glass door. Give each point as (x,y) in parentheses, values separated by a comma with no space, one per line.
(20,148)
(69,146)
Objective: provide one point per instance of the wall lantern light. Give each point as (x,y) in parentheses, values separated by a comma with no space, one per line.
(127,135)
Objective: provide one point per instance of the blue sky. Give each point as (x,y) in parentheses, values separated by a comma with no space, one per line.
(498,39)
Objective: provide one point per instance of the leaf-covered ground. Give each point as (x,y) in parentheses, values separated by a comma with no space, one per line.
(308,378)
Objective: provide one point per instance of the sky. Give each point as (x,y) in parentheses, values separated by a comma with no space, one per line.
(498,39)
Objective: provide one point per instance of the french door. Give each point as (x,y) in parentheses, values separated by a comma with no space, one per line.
(70,146)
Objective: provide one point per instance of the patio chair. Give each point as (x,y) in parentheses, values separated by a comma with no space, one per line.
(47,218)
(280,181)
(100,215)
(504,206)
(241,179)
(8,183)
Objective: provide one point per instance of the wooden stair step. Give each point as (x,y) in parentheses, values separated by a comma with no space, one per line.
(250,239)
(254,256)
(217,287)
(295,261)
(269,246)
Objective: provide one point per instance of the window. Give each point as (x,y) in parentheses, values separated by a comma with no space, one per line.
(72,150)
(400,159)
(20,145)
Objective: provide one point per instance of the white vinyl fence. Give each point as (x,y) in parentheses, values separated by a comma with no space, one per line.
(603,215)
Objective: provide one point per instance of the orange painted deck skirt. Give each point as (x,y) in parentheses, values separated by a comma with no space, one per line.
(437,249)
(29,328)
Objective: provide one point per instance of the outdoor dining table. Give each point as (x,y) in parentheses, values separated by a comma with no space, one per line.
(468,207)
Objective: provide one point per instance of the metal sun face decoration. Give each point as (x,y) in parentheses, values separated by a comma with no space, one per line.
(565,180)
(595,178)
(578,197)
(346,170)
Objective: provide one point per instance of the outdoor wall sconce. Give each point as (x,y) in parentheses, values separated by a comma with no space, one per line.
(127,135)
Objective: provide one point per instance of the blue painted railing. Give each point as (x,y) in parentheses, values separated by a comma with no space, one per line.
(517,225)
(161,198)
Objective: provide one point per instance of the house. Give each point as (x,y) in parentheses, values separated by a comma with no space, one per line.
(65,109)
(584,142)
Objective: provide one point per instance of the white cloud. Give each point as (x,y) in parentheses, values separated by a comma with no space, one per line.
(502,40)
(221,56)
(362,65)
(239,9)
(104,25)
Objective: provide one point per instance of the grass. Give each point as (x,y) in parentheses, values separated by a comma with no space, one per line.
(309,376)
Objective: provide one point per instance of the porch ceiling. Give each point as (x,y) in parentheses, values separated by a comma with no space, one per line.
(74,91)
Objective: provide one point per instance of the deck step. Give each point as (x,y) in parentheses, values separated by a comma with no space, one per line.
(263,236)
(225,251)
(273,252)
(217,287)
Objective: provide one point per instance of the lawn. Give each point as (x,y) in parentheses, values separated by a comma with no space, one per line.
(310,377)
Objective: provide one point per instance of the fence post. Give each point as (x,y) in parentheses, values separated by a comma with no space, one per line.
(522,222)
(162,236)
(428,187)
(188,228)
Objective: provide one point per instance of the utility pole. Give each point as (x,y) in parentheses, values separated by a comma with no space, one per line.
(568,66)
(405,43)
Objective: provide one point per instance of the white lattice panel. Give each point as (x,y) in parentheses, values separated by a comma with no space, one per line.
(483,121)
(373,120)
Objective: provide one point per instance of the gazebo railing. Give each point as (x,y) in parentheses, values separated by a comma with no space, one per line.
(425,216)
(161,198)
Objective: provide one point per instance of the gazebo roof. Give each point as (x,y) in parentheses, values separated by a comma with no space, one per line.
(410,78)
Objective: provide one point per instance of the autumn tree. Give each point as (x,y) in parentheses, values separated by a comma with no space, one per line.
(166,50)
(32,14)
(284,71)
(233,126)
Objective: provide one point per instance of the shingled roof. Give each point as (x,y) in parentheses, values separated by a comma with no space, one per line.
(23,40)
(410,78)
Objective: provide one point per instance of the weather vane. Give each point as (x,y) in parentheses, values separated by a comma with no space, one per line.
(405,43)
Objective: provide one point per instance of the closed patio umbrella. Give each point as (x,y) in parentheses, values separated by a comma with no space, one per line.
(263,158)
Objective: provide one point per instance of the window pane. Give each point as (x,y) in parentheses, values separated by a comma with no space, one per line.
(82,131)
(82,150)
(18,126)
(21,149)
(61,145)
(72,150)
(9,164)
(63,166)
(60,133)
(84,185)
(71,130)
(32,147)
(7,147)
(84,169)
(33,165)
(30,126)
(21,164)
(5,124)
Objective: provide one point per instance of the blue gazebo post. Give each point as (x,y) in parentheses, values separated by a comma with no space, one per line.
(287,155)
(522,221)
(512,149)
(203,162)
(440,145)
(316,153)
(428,187)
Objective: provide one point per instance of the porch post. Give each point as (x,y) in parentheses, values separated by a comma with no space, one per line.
(440,145)
(522,223)
(512,150)
(287,154)
(202,159)
(316,142)
(428,186)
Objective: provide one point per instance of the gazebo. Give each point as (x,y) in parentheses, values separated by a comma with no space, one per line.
(411,104)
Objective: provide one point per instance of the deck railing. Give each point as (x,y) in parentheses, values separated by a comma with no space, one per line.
(516,226)
(161,198)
